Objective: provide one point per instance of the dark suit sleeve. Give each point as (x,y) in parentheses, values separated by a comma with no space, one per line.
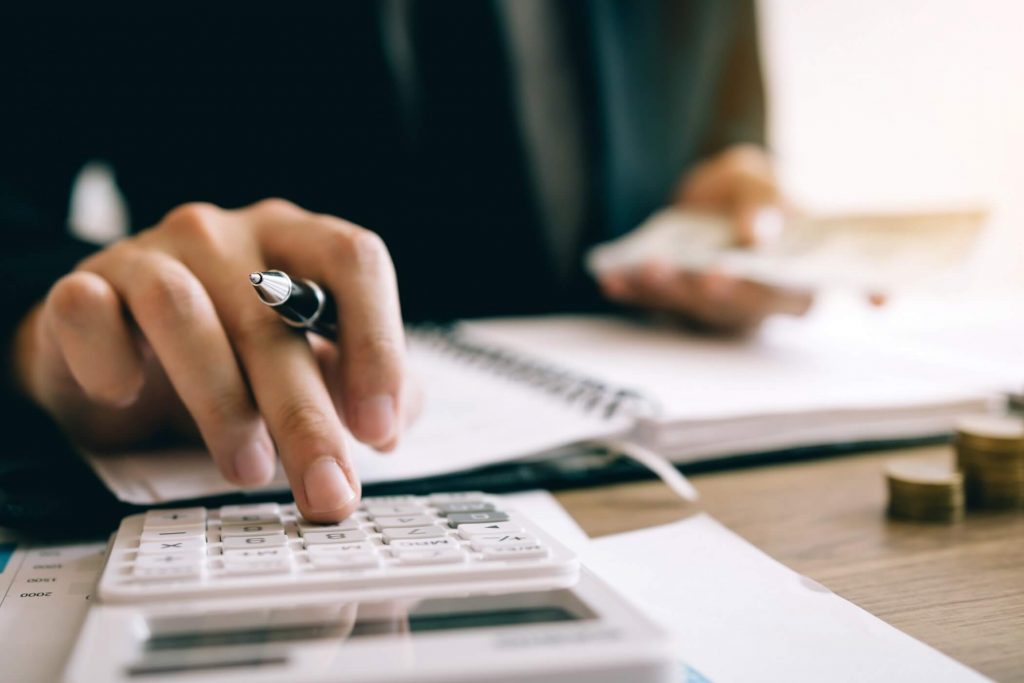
(44,142)
(739,115)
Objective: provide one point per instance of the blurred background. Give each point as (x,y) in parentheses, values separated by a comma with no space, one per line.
(915,104)
(874,105)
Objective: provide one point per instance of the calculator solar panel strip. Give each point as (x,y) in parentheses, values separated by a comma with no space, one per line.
(484,594)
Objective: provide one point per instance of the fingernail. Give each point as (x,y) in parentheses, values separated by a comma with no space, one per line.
(375,419)
(254,464)
(327,489)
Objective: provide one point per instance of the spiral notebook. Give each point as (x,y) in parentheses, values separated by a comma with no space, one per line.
(531,389)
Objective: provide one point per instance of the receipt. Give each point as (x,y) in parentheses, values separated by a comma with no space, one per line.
(867,252)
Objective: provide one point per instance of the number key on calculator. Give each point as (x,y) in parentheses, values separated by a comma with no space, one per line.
(392,543)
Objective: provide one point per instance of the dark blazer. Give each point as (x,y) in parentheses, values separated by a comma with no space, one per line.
(230,109)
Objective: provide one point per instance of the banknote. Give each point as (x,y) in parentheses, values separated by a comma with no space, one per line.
(874,252)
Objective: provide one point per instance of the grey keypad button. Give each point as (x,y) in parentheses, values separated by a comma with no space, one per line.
(322,537)
(400,509)
(457,518)
(450,508)
(254,529)
(407,521)
(240,542)
(412,533)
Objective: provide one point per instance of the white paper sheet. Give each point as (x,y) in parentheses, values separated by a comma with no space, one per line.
(44,596)
(741,616)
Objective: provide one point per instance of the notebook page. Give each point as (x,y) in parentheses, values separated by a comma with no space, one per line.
(472,417)
(792,367)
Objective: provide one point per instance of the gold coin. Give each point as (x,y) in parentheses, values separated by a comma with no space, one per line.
(991,432)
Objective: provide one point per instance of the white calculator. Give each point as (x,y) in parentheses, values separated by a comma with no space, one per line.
(447,587)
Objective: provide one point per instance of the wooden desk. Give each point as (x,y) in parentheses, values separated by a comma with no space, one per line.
(959,588)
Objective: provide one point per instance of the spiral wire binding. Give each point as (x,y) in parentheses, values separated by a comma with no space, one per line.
(591,395)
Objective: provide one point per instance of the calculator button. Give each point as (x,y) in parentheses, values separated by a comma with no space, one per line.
(195,546)
(388,500)
(398,522)
(423,543)
(457,497)
(243,514)
(515,551)
(457,518)
(323,537)
(190,517)
(167,572)
(262,529)
(344,525)
(446,509)
(397,510)
(471,530)
(273,565)
(257,554)
(413,533)
(159,534)
(343,549)
(166,560)
(353,561)
(436,556)
(241,542)
(490,540)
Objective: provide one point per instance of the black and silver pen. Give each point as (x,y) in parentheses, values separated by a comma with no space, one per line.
(301,303)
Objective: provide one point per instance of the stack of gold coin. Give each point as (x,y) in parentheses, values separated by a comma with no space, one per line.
(925,491)
(990,453)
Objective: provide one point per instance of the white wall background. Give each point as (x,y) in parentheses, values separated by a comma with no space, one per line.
(903,104)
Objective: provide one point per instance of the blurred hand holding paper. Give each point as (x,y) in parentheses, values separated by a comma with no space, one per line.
(874,253)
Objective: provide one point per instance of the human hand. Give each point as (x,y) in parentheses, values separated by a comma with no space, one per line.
(740,183)
(161,334)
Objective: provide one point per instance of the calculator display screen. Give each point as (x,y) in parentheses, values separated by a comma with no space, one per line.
(373,619)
